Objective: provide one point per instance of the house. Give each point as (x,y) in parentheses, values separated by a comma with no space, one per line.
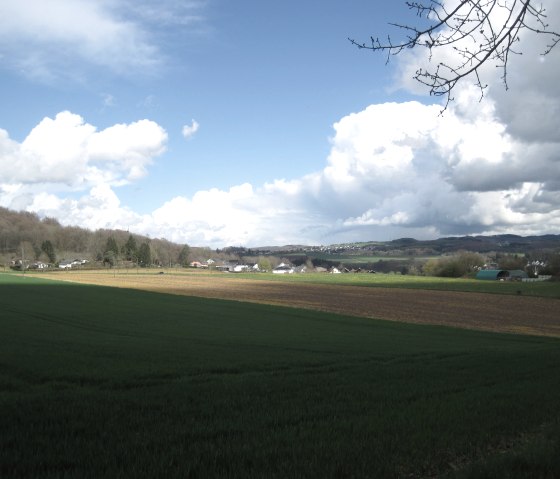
(198,264)
(240,268)
(19,264)
(233,268)
(39,265)
(518,275)
(283,269)
(226,267)
(65,264)
(501,275)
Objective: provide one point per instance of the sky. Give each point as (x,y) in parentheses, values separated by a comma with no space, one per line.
(219,123)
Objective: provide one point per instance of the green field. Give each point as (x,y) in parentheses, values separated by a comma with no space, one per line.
(544,289)
(101,382)
(549,289)
(350,259)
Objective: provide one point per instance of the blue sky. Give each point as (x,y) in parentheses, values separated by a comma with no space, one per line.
(249,123)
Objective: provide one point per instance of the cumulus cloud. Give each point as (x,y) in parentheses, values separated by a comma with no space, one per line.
(526,64)
(65,153)
(190,130)
(97,208)
(394,169)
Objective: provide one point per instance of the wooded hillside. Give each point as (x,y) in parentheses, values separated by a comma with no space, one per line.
(25,234)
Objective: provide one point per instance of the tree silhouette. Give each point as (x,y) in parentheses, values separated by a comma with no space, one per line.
(144,255)
(183,258)
(477,31)
(48,249)
(130,249)
(111,251)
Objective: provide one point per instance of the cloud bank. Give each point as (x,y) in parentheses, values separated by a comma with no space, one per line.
(394,169)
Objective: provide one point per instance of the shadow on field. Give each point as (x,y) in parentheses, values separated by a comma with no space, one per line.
(108,382)
(502,312)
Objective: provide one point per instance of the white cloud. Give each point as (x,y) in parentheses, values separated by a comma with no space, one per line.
(190,130)
(99,208)
(41,38)
(66,153)
(128,149)
(393,170)
(168,12)
(526,66)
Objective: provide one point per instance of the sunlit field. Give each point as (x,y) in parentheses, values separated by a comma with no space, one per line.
(540,289)
(115,382)
(544,288)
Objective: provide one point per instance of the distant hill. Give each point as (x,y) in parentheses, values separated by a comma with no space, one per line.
(27,230)
(506,243)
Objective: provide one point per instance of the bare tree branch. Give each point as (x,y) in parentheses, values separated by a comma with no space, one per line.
(477,31)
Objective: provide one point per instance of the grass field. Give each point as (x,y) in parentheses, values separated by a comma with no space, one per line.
(360,259)
(106,382)
(541,289)
(537,289)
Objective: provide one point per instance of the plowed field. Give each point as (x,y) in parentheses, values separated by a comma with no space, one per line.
(490,312)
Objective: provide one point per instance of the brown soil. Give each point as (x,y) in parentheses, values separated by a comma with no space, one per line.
(490,312)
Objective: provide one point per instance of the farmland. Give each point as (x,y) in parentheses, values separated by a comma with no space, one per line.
(392,297)
(212,381)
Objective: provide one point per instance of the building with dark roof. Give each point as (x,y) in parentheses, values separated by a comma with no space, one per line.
(501,275)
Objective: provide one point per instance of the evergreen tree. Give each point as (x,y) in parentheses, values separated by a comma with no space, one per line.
(111,251)
(130,249)
(112,246)
(144,255)
(48,249)
(184,255)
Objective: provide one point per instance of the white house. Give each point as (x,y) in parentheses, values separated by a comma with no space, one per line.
(283,269)
(198,264)
(39,265)
(240,268)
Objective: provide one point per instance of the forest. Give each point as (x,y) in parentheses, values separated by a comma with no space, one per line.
(25,236)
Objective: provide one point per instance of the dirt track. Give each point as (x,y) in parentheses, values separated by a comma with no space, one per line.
(491,312)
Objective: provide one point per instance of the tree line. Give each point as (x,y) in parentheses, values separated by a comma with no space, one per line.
(25,236)
(467,263)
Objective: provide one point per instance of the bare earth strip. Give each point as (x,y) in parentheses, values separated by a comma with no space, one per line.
(489,312)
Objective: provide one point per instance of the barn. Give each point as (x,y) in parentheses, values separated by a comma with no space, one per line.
(501,275)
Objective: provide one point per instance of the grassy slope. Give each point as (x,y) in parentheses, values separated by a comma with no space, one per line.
(97,381)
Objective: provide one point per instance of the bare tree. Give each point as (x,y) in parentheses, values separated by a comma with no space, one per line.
(477,31)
